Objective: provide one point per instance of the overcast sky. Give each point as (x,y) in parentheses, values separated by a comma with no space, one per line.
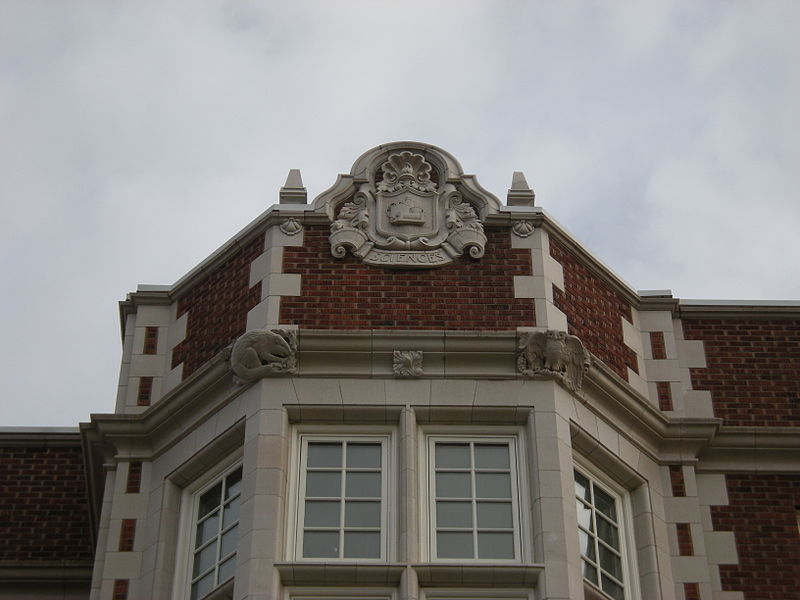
(136,138)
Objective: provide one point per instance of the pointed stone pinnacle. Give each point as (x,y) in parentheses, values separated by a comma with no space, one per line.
(520,193)
(293,191)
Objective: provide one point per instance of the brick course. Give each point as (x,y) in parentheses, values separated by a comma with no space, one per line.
(657,345)
(677,481)
(664,392)
(218,308)
(753,369)
(466,294)
(763,516)
(44,514)
(594,311)
(134,481)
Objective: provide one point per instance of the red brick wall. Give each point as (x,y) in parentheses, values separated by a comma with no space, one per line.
(44,514)
(593,312)
(763,516)
(218,309)
(753,369)
(467,294)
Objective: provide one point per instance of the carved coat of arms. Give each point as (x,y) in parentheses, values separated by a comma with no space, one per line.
(406,220)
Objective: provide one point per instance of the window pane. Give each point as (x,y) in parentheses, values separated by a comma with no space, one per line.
(362,514)
(227,569)
(589,572)
(321,544)
(207,530)
(495,545)
(495,515)
(491,456)
(587,545)
(612,589)
(203,586)
(228,542)
(454,545)
(454,514)
(582,487)
(231,512)
(324,454)
(584,515)
(209,501)
(605,503)
(233,483)
(204,559)
(453,456)
(453,485)
(493,485)
(363,485)
(607,532)
(362,544)
(364,456)
(323,484)
(322,514)
(610,562)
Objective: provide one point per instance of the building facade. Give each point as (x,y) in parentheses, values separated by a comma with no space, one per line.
(407,389)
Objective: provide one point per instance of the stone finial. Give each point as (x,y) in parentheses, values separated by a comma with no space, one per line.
(553,353)
(520,193)
(263,353)
(293,191)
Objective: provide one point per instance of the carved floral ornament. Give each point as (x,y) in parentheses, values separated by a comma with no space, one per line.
(553,353)
(406,220)
(407,363)
(264,353)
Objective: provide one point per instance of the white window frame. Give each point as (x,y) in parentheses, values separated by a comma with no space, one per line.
(188,522)
(477,594)
(520,500)
(343,593)
(627,543)
(295,522)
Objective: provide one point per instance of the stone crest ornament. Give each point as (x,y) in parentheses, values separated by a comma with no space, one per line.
(407,363)
(522,228)
(553,353)
(291,226)
(403,218)
(264,353)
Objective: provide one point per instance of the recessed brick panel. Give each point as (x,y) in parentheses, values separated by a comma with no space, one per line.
(685,546)
(150,340)
(753,369)
(134,481)
(145,391)
(217,309)
(657,345)
(44,514)
(594,311)
(691,591)
(762,514)
(664,392)
(120,591)
(127,535)
(467,294)
(677,481)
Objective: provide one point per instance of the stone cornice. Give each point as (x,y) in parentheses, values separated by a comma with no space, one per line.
(749,449)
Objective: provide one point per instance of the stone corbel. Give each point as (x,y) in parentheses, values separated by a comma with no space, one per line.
(553,353)
(264,353)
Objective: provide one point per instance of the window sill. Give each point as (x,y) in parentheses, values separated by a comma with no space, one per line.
(305,573)
(223,592)
(486,575)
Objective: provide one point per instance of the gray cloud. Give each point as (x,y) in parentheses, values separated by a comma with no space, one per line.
(139,137)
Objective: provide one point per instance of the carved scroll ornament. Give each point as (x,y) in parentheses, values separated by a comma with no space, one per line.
(406,220)
(264,353)
(555,354)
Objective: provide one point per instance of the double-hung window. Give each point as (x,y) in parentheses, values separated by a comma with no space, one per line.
(343,498)
(474,497)
(215,519)
(600,536)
